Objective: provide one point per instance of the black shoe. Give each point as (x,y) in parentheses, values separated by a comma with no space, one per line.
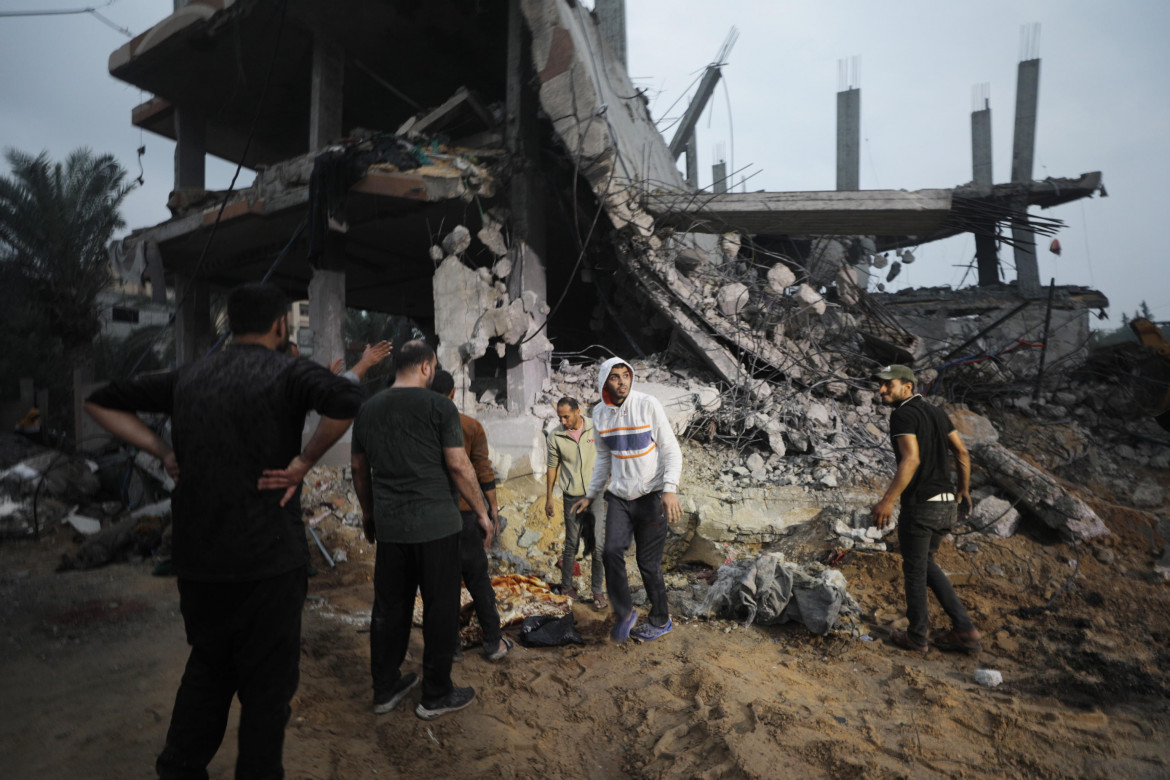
(397,694)
(456,700)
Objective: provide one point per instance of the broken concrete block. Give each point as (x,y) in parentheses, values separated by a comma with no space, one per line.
(754,461)
(704,551)
(682,404)
(436,252)
(780,278)
(502,268)
(988,677)
(730,244)
(457,241)
(492,236)
(1148,494)
(880,261)
(973,428)
(1039,492)
(895,269)
(847,286)
(995,516)
(732,298)
(811,299)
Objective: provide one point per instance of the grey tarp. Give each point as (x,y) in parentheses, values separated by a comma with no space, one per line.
(768,590)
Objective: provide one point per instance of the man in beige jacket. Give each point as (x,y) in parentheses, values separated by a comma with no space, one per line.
(571,452)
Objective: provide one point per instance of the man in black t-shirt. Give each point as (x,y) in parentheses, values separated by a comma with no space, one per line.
(240,555)
(408,465)
(923,437)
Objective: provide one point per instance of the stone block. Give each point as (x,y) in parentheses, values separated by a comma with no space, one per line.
(811,299)
(995,516)
(457,241)
(731,299)
(780,278)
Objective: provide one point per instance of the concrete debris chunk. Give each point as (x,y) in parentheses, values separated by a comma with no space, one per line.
(811,299)
(988,677)
(732,299)
(1148,494)
(1039,492)
(492,236)
(847,286)
(502,268)
(995,516)
(780,278)
(457,241)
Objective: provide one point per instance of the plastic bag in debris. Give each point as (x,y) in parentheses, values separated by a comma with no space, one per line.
(549,631)
(768,590)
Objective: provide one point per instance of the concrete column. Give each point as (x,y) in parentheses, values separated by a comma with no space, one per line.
(611,19)
(190,148)
(327,303)
(849,140)
(1024,142)
(192,320)
(692,162)
(326,89)
(525,375)
(985,252)
(1023,153)
(719,177)
(981,147)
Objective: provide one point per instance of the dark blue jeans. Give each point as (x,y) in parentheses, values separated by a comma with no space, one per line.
(475,577)
(400,570)
(921,528)
(245,640)
(641,522)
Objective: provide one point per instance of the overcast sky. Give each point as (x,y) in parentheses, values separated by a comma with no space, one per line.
(1104,88)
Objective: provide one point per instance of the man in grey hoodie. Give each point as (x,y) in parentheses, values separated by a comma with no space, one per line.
(638,454)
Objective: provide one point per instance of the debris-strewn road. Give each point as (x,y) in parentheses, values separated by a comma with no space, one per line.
(91,660)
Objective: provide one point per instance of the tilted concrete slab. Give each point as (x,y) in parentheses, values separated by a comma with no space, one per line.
(865,212)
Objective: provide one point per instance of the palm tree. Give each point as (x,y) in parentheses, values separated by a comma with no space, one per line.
(55,222)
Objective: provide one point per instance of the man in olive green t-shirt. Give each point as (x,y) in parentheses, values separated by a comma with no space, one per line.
(571,452)
(408,466)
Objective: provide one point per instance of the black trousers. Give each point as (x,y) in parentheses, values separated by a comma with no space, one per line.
(475,577)
(640,521)
(245,640)
(401,570)
(921,529)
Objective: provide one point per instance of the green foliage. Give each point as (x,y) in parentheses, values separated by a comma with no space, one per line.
(55,222)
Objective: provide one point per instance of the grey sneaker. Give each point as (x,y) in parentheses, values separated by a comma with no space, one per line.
(397,694)
(454,701)
(648,632)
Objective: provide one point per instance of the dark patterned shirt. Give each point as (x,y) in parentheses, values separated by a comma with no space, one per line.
(234,414)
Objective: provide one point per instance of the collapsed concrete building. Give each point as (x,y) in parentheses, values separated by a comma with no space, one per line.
(489,171)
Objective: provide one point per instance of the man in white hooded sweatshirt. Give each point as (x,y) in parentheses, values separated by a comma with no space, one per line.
(640,457)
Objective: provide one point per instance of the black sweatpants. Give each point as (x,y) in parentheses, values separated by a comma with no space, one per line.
(401,570)
(640,521)
(245,640)
(921,529)
(475,577)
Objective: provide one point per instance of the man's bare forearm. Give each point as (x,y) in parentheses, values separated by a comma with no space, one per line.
(328,431)
(127,427)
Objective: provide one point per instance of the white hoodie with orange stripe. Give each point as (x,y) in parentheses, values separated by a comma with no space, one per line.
(636,447)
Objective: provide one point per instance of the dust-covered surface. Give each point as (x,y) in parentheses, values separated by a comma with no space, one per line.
(91,661)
